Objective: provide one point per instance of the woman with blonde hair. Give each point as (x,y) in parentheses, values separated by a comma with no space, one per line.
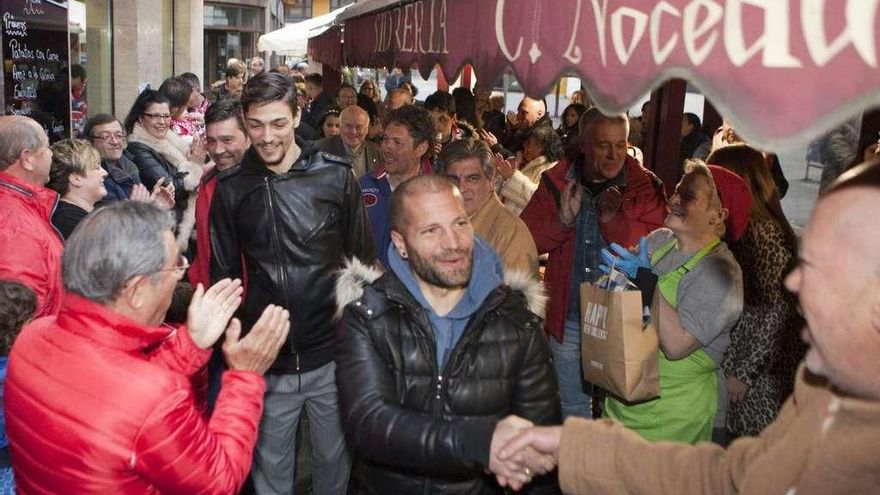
(77,176)
(765,346)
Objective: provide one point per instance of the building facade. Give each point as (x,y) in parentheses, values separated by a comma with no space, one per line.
(125,45)
(233,28)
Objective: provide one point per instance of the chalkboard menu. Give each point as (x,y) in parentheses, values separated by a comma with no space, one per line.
(35,63)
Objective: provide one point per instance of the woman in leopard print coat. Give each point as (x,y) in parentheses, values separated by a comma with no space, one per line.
(765,345)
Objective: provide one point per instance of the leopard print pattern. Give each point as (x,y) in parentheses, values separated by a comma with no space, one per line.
(765,345)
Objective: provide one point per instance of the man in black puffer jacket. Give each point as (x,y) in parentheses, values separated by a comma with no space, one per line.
(286,223)
(432,354)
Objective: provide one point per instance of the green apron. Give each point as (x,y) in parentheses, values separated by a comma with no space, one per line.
(685,410)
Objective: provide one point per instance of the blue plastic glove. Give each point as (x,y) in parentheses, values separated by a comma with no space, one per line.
(626,261)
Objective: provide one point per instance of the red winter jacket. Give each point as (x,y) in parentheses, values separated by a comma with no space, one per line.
(643,210)
(200,271)
(30,247)
(96,403)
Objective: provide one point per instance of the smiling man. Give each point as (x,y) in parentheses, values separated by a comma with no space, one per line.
(294,219)
(364,156)
(435,352)
(105,133)
(601,196)
(407,138)
(227,143)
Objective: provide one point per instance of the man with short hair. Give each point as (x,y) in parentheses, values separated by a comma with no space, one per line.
(581,205)
(351,143)
(468,163)
(447,127)
(227,143)
(398,98)
(234,81)
(826,435)
(117,382)
(428,418)
(407,138)
(30,245)
(294,219)
(530,114)
(105,133)
(258,66)
(318,100)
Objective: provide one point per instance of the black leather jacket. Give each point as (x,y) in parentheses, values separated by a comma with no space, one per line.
(293,232)
(421,430)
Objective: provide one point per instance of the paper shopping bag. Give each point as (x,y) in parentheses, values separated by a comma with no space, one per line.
(618,352)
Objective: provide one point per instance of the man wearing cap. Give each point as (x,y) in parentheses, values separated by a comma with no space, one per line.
(701,298)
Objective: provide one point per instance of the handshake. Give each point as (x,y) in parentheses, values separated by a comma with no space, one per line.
(520,451)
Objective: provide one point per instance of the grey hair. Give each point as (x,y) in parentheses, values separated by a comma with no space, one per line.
(594,116)
(464,149)
(113,244)
(16,135)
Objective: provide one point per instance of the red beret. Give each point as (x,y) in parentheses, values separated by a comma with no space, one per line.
(735,196)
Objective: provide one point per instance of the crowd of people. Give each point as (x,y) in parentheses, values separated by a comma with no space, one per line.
(180,285)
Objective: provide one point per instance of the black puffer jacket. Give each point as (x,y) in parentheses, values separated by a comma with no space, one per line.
(294,231)
(418,430)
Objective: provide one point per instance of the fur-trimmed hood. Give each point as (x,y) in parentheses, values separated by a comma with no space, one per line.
(174,149)
(357,274)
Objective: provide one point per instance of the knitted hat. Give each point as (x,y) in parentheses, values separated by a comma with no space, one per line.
(735,196)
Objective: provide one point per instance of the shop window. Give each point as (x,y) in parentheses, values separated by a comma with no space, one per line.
(298,10)
(91,40)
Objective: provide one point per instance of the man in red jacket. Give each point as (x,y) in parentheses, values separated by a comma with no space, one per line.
(98,398)
(30,245)
(580,206)
(227,142)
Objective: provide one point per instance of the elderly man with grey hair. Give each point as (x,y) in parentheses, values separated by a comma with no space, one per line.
(110,387)
(581,205)
(30,245)
(351,143)
(468,164)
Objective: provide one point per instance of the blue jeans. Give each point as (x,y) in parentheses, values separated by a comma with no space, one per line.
(573,390)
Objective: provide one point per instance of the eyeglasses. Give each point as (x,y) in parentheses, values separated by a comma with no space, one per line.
(157,116)
(181,265)
(110,136)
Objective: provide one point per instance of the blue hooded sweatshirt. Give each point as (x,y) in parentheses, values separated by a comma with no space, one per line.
(486,275)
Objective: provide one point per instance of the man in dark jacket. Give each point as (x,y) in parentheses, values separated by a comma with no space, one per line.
(530,113)
(318,100)
(294,219)
(351,143)
(105,133)
(434,353)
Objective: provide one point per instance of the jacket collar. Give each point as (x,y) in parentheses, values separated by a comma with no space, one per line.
(106,327)
(253,163)
(40,198)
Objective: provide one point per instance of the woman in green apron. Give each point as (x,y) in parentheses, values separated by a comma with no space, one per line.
(700,288)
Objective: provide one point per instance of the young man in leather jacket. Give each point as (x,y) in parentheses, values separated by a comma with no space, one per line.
(287,222)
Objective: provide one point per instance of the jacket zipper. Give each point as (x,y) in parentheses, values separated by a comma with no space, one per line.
(279,268)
